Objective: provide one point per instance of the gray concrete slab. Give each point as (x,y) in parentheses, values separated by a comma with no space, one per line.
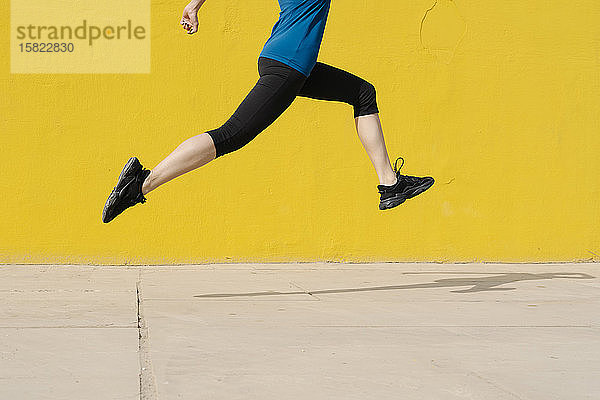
(375,331)
(68,332)
(67,296)
(69,363)
(319,331)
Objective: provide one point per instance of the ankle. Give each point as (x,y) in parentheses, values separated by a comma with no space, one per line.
(388,180)
(146,186)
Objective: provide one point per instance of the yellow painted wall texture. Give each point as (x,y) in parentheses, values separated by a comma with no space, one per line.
(499,101)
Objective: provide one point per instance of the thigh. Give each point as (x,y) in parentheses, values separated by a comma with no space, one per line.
(269,98)
(326,82)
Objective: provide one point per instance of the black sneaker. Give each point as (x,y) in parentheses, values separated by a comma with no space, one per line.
(406,187)
(128,191)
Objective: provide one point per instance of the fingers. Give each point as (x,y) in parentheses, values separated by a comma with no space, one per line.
(189,26)
(186,23)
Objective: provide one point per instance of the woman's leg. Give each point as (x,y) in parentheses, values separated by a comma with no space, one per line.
(189,155)
(269,98)
(329,83)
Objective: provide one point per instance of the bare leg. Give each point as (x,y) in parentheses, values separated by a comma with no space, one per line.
(200,150)
(327,82)
(189,155)
(272,94)
(371,136)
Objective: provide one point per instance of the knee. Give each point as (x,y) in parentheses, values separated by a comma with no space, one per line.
(229,137)
(366,102)
(224,141)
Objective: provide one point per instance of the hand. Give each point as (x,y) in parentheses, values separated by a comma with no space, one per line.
(189,20)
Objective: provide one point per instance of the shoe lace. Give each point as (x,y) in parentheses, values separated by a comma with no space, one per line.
(385,189)
(396,168)
(406,178)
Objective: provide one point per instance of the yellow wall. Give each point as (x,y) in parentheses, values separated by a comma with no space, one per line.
(499,101)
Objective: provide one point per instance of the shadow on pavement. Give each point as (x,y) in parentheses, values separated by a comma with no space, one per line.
(478,284)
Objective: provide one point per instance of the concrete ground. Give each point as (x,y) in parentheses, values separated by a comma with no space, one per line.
(301,331)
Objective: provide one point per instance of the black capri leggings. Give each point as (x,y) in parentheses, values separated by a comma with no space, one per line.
(275,90)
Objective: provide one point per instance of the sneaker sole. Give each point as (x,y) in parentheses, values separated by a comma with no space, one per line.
(392,202)
(114,195)
(401,198)
(420,189)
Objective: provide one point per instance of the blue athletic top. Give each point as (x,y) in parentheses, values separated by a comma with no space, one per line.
(297,34)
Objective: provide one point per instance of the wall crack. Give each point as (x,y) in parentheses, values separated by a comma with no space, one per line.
(423,22)
(442,29)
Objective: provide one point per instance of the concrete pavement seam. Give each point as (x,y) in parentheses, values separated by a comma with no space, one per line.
(147,381)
